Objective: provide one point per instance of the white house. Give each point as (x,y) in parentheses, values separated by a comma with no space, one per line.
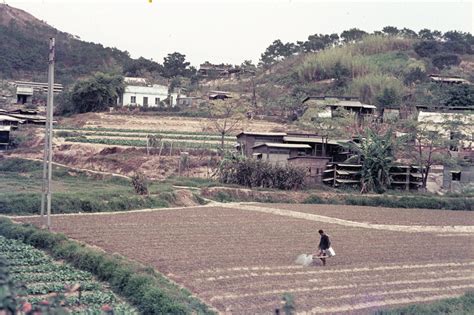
(149,96)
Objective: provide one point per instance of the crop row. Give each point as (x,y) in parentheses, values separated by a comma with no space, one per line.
(164,132)
(143,143)
(38,275)
(143,135)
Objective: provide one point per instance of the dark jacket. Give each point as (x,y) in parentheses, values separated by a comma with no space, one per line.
(325,243)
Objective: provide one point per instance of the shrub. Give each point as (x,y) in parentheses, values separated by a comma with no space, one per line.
(140,184)
(427,48)
(442,61)
(257,173)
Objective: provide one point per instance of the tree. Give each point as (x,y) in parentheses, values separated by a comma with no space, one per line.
(248,66)
(391,30)
(408,33)
(428,142)
(427,34)
(415,75)
(318,42)
(375,151)
(97,93)
(142,67)
(225,117)
(427,48)
(175,64)
(277,51)
(388,98)
(352,35)
(461,95)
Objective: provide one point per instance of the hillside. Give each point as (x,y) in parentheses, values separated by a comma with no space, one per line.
(384,70)
(24,50)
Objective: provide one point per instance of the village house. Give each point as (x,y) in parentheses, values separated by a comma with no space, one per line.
(26,90)
(141,92)
(328,105)
(208,69)
(305,150)
(453,125)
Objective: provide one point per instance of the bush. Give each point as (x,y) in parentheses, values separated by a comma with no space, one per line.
(140,184)
(257,173)
(442,61)
(427,48)
(151,293)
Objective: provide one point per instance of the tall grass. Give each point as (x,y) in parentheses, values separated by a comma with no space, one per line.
(322,65)
(353,57)
(370,86)
(376,44)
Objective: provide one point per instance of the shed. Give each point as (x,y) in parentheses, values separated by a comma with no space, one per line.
(6,120)
(279,153)
(5,136)
(314,166)
(247,140)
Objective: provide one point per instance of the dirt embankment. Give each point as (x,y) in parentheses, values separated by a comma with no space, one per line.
(124,161)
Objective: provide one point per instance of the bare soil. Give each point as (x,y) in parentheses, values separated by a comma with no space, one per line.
(121,160)
(240,257)
(159,123)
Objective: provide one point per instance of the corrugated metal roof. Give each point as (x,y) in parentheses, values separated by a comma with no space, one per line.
(314,140)
(9,118)
(256,133)
(340,103)
(284,146)
(5,128)
(448,79)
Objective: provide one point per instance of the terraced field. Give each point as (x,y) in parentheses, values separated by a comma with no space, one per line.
(239,258)
(138,138)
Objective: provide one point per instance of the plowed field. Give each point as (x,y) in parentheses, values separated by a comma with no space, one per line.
(239,258)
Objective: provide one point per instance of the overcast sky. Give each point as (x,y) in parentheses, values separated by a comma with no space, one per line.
(231,31)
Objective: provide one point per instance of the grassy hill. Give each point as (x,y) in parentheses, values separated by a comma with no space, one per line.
(24,50)
(380,69)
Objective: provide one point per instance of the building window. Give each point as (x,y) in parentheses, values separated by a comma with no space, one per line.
(133,99)
(145,101)
(456,176)
(157,101)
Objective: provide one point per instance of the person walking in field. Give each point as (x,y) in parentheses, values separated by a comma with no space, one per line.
(325,249)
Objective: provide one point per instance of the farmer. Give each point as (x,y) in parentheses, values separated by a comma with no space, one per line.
(324,245)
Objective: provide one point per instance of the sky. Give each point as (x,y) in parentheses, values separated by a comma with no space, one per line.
(231,31)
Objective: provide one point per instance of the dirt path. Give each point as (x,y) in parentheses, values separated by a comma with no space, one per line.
(319,218)
(75,168)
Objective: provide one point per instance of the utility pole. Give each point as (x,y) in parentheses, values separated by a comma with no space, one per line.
(48,142)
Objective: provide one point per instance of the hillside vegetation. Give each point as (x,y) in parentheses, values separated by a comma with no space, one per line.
(24,49)
(370,68)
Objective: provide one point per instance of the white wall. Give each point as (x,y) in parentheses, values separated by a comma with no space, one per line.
(151,92)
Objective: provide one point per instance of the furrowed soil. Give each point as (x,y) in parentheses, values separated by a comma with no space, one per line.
(239,257)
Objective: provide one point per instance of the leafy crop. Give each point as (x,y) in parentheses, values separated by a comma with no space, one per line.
(38,276)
